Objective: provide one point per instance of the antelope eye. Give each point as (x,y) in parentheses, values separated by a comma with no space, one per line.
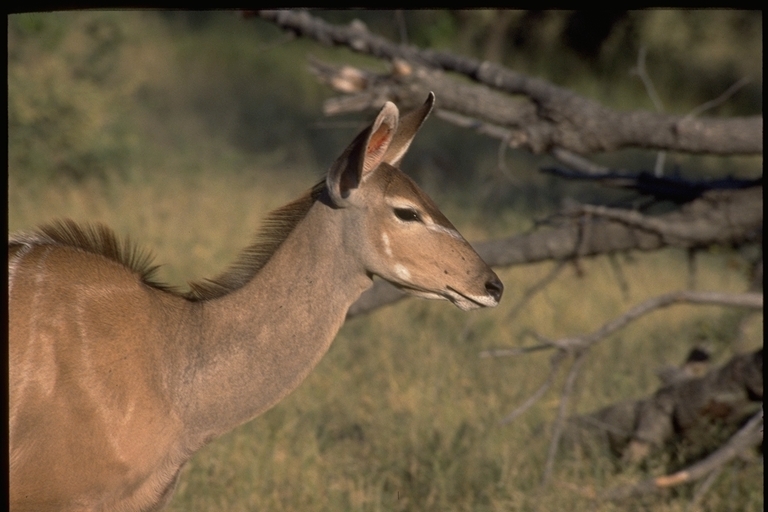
(407,214)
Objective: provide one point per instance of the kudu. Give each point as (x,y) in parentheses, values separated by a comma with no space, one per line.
(116,380)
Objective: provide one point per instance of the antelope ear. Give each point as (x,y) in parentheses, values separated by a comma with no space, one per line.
(363,156)
(406,130)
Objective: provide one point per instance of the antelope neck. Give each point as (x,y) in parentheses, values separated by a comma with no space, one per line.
(256,344)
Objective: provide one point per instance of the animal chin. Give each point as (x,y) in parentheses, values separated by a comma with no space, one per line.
(463,302)
(419,292)
(468,302)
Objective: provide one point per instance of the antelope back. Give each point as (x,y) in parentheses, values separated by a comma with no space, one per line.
(395,229)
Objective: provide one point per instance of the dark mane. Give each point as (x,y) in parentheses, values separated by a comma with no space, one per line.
(275,229)
(100,239)
(96,239)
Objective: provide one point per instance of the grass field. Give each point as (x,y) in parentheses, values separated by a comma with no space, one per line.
(402,414)
(184,134)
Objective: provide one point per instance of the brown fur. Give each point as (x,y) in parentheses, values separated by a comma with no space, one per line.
(116,379)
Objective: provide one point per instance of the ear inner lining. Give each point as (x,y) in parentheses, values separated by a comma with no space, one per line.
(377,145)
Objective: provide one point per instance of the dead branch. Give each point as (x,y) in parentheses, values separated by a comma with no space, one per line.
(723,395)
(533,290)
(556,117)
(632,416)
(719,217)
(704,487)
(578,162)
(748,436)
(621,279)
(749,300)
(685,408)
(683,402)
(560,419)
(720,99)
(688,228)
(555,362)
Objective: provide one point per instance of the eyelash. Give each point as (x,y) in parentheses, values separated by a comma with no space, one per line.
(407,215)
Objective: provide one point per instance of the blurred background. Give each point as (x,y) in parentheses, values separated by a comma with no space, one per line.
(183,129)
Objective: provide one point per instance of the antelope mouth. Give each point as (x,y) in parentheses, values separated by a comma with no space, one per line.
(467,302)
(463,301)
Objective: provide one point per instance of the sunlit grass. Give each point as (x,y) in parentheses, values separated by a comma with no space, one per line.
(402,414)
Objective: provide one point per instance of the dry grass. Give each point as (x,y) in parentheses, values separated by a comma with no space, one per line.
(402,414)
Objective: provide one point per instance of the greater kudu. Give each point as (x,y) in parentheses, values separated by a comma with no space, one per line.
(116,380)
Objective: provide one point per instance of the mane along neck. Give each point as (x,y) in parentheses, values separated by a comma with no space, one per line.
(275,229)
(94,239)
(101,240)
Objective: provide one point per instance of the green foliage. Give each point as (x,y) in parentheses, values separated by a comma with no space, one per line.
(66,112)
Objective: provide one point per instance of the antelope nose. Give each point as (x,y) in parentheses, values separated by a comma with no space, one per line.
(494,287)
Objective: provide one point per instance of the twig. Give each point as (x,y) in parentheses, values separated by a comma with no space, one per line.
(751,300)
(562,412)
(578,162)
(717,101)
(749,435)
(702,490)
(482,127)
(501,158)
(658,168)
(640,71)
(606,427)
(506,352)
(620,277)
(581,343)
(555,362)
(531,291)
(657,225)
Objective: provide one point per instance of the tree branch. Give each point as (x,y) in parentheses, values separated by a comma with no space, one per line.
(691,405)
(557,117)
(728,217)
(748,436)
(531,292)
(749,300)
(697,399)
(562,412)
(555,362)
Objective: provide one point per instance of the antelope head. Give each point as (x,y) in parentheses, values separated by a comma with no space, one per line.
(394,229)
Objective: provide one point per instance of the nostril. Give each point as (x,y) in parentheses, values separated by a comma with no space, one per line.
(495,288)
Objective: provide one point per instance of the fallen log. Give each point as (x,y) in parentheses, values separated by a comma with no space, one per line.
(688,409)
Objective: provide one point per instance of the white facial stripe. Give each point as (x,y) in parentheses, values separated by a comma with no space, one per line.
(387,247)
(441,229)
(402,272)
(429,223)
(401,203)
